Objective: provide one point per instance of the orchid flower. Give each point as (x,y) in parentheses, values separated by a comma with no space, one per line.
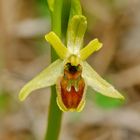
(71,73)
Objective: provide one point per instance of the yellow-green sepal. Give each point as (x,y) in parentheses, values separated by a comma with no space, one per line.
(98,83)
(93,46)
(57,44)
(46,78)
(75,33)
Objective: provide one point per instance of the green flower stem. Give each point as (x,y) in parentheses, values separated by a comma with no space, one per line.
(55,114)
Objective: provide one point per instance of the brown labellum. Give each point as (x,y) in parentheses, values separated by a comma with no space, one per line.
(72,86)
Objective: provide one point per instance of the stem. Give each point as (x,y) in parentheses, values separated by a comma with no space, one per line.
(55,114)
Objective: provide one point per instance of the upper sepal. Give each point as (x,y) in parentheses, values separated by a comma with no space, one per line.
(76,30)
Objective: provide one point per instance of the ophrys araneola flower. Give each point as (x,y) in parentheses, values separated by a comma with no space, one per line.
(71,73)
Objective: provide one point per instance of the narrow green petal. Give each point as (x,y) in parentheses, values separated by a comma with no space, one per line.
(97,83)
(76,30)
(93,46)
(46,78)
(56,43)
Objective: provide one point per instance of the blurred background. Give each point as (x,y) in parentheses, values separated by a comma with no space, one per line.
(24,52)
